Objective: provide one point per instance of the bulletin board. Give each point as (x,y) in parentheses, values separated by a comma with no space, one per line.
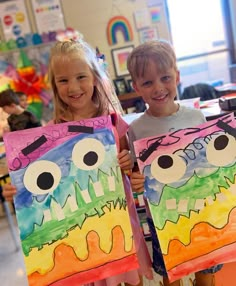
(48,15)
(14,19)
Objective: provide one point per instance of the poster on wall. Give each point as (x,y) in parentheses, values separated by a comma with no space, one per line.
(14,19)
(48,15)
(149,34)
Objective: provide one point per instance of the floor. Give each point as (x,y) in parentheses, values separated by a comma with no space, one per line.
(12,270)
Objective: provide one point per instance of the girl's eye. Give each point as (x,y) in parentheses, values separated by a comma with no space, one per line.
(62,80)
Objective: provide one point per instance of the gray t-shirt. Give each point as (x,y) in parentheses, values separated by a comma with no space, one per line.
(146,126)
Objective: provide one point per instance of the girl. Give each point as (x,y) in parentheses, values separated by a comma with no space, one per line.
(82,90)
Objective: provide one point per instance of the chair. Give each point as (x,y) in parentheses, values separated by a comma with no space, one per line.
(5,205)
(202,90)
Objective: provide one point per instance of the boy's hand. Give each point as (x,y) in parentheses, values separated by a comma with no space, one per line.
(125,160)
(137,182)
(8,191)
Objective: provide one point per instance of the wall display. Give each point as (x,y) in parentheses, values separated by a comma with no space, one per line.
(191,185)
(48,15)
(148,34)
(70,203)
(119,24)
(142,19)
(120,85)
(130,86)
(14,19)
(119,57)
(155,14)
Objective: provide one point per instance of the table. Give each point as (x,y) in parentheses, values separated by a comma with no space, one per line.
(210,109)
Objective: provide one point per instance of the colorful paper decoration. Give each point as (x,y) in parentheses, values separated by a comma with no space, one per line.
(119,24)
(191,188)
(70,203)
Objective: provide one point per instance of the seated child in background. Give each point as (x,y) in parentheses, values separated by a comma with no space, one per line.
(19,118)
(23,99)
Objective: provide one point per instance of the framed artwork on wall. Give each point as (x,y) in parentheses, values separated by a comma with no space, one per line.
(130,86)
(120,85)
(119,57)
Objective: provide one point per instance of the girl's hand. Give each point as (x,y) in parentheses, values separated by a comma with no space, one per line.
(125,160)
(137,182)
(8,191)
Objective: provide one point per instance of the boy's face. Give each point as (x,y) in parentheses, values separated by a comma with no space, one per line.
(23,101)
(158,89)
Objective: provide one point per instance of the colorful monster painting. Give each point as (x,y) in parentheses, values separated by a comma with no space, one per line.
(70,203)
(190,183)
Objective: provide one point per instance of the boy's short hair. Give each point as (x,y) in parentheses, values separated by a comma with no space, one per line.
(160,51)
(8,97)
(20,94)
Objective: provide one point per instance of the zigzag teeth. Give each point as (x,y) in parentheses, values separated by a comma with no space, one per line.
(199,204)
(86,196)
(47,216)
(72,203)
(98,189)
(59,212)
(111,183)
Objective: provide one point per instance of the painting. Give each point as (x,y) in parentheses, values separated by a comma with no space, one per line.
(70,204)
(190,184)
(120,85)
(119,57)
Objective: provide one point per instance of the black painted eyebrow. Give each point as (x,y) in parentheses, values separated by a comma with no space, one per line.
(147,153)
(80,129)
(226,127)
(35,145)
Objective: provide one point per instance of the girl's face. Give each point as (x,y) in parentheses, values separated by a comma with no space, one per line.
(75,85)
(158,89)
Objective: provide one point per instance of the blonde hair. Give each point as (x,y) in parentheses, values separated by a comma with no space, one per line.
(159,51)
(104,95)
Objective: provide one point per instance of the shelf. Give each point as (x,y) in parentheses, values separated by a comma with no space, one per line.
(128,96)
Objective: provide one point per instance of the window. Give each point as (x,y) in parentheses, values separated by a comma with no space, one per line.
(199,38)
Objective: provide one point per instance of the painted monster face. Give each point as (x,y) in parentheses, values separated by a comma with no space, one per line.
(190,186)
(70,199)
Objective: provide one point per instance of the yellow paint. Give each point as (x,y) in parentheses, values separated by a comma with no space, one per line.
(216,214)
(42,260)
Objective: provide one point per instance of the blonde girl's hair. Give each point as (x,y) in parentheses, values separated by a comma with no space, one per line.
(159,51)
(104,95)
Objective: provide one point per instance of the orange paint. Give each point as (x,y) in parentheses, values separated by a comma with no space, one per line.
(197,247)
(67,264)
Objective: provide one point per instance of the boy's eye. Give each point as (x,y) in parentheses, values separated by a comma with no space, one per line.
(147,83)
(166,78)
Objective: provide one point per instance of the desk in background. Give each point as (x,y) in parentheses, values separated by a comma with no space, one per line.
(210,109)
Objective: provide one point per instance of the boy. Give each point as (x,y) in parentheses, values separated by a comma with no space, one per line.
(19,118)
(23,99)
(155,77)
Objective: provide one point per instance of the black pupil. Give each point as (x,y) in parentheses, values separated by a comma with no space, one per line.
(165,162)
(90,158)
(45,181)
(221,142)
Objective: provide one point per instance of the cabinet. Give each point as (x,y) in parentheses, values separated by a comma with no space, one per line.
(129,100)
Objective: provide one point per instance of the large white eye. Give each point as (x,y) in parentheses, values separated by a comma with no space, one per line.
(168,168)
(221,151)
(42,177)
(88,154)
